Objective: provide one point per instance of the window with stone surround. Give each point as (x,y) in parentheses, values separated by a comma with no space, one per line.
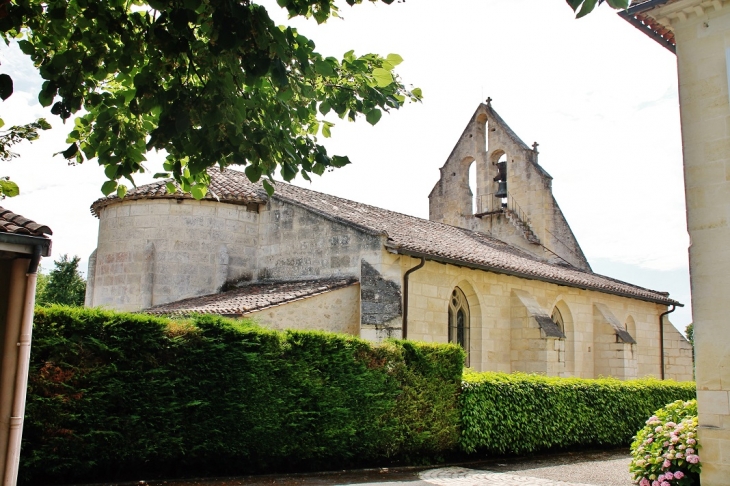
(459,320)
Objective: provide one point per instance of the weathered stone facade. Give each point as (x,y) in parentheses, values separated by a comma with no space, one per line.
(527,300)
(506,334)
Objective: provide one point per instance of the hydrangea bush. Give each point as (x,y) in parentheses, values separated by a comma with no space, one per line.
(665,450)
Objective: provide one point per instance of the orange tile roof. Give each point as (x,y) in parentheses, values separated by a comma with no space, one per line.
(18,225)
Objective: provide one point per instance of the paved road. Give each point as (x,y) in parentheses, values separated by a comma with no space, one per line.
(567,469)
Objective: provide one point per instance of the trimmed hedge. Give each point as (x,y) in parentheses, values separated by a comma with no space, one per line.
(519,413)
(121,396)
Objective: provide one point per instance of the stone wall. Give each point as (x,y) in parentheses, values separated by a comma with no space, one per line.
(381,305)
(161,250)
(154,251)
(336,311)
(297,243)
(499,324)
(702,34)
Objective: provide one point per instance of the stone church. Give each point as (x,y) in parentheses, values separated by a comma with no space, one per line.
(499,272)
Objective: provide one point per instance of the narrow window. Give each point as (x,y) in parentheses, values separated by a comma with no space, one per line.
(459,321)
(557,318)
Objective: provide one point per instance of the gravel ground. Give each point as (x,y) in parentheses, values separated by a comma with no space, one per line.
(598,468)
(605,468)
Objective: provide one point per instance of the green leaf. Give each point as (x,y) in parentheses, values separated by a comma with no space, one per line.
(586,8)
(6,86)
(45,98)
(2,123)
(9,188)
(326,126)
(324,68)
(619,4)
(171,188)
(199,191)
(110,171)
(121,190)
(285,94)
(382,77)
(340,161)
(71,151)
(108,187)
(394,59)
(253,172)
(417,92)
(269,188)
(325,107)
(574,4)
(73,136)
(373,116)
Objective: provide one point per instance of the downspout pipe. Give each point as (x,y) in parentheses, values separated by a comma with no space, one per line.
(405,295)
(661,336)
(21,373)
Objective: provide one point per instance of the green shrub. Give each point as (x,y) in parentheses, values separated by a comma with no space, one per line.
(114,394)
(665,450)
(521,413)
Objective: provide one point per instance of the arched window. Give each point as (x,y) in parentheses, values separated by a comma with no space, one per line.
(459,321)
(557,318)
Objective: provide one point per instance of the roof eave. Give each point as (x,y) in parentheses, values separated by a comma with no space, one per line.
(24,244)
(493,269)
(630,15)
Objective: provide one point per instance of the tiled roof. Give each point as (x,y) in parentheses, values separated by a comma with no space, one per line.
(17,224)
(438,241)
(253,297)
(408,234)
(234,189)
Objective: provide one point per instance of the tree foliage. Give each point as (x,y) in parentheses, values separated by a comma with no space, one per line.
(211,82)
(584,7)
(64,285)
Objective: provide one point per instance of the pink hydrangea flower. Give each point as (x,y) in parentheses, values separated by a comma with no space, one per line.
(670,424)
(649,440)
(693,458)
(668,475)
(667,463)
(658,429)
(666,444)
(690,451)
(644,482)
(679,455)
(665,483)
(678,475)
(655,483)
(691,441)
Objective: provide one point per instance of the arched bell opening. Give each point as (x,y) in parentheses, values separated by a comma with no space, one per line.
(499,181)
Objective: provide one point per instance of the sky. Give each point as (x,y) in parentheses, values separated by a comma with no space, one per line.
(597,95)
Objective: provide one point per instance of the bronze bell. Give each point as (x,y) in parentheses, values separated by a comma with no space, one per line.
(501,190)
